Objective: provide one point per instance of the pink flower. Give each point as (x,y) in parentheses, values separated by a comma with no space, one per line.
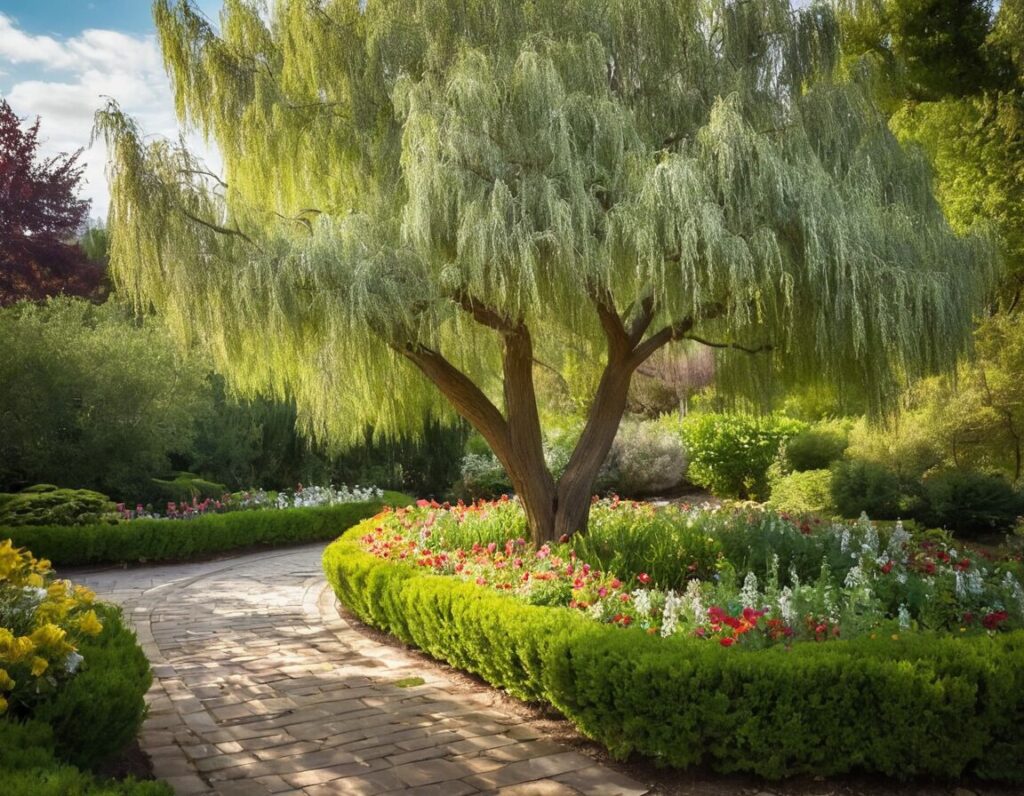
(644,578)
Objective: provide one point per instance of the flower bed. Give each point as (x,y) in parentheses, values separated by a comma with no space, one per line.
(72,680)
(746,641)
(256,499)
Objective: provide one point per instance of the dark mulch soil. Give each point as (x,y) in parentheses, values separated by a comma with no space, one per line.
(671,782)
(131,762)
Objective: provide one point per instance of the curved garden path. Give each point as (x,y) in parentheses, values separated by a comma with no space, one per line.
(261,687)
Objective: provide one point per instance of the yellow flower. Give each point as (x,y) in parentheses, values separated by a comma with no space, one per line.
(14,649)
(3,705)
(51,638)
(90,624)
(9,558)
(6,681)
(35,580)
(39,666)
(85,595)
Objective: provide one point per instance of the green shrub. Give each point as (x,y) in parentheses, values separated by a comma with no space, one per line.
(817,447)
(106,693)
(860,486)
(47,505)
(161,540)
(183,488)
(29,767)
(923,705)
(970,502)
(804,492)
(731,454)
(481,476)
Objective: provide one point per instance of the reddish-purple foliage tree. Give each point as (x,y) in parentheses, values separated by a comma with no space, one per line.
(40,215)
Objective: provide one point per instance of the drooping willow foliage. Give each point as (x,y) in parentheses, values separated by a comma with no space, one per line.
(383,158)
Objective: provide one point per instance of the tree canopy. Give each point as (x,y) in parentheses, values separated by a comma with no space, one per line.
(419,188)
(953,80)
(40,215)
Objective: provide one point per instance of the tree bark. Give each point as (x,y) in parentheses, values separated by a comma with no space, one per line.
(525,463)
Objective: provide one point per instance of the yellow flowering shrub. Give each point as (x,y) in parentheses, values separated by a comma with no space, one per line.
(41,622)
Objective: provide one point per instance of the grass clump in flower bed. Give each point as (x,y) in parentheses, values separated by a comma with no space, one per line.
(739,639)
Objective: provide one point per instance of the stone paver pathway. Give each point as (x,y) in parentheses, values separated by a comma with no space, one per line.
(261,687)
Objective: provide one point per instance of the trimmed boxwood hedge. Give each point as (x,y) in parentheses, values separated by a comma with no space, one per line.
(924,705)
(162,540)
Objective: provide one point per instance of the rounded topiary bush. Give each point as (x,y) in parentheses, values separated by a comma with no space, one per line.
(48,505)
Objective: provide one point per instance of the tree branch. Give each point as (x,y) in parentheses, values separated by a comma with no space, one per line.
(641,321)
(485,315)
(468,399)
(738,346)
(611,322)
(219,229)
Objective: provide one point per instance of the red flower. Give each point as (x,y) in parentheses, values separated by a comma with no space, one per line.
(728,641)
(644,578)
(887,567)
(563,538)
(423,503)
(993,620)
(963,564)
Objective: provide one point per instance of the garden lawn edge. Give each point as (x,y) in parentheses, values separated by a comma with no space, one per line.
(912,705)
(146,540)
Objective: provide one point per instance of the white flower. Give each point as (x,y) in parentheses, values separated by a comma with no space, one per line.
(786,609)
(642,601)
(72,663)
(35,594)
(670,614)
(749,595)
(903,617)
(854,578)
(693,600)
(1012,585)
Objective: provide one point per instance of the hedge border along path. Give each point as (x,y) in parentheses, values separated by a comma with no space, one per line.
(921,705)
(148,540)
(261,687)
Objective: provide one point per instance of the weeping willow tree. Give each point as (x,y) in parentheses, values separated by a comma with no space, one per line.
(423,200)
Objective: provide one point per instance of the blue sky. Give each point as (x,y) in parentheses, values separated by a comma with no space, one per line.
(68,17)
(59,58)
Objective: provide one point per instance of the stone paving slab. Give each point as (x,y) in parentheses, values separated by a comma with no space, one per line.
(261,687)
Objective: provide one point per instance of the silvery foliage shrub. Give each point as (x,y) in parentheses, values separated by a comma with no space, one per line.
(645,459)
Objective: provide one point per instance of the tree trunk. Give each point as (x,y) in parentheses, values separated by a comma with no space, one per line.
(524,462)
(576,486)
(552,510)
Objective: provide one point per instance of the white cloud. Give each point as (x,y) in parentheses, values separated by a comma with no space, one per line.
(69,81)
